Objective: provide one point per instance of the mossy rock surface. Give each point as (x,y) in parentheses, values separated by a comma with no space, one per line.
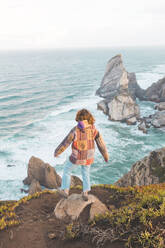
(149,170)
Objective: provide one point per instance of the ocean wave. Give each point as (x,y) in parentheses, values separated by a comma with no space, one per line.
(38,104)
(146,79)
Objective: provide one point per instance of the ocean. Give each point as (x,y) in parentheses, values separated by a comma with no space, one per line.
(40,93)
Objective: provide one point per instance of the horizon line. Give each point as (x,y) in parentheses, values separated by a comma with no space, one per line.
(78,48)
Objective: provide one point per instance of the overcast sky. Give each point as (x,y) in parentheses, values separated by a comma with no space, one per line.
(28,24)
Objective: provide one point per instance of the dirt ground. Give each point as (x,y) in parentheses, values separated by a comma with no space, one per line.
(38,223)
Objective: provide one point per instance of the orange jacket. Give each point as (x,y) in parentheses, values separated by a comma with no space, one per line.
(83,138)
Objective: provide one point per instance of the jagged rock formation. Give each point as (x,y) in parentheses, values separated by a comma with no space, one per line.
(116,79)
(74,205)
(44,173)
(41,173)
(149,170)
(156,92)
(156,120)
(120,89)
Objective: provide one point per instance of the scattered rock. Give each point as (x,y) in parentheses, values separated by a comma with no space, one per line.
(157,120)
(34,187)
(156,92)
(74,205)
(142,126)
(149,170)
(44,173)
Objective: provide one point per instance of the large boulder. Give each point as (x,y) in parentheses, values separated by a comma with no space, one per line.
(149,170)
(44,173)
(116,78)
(74,205)
(123,108)
(156,92)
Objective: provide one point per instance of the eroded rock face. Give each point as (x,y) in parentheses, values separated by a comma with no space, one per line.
(120,89)
(149,170)
(44,173)
(156,120)
(123,107)
(116,79)
(156,92)
(74,205)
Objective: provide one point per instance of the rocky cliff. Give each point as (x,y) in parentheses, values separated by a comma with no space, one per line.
(156,92)
(149,170)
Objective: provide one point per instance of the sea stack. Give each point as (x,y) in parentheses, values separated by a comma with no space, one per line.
(119,89)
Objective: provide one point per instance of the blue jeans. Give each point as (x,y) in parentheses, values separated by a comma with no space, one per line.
(85,170)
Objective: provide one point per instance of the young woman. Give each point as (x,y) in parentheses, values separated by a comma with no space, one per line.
(83,136)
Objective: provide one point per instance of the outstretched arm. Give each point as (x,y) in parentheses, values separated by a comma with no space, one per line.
(101,146)
(65,143)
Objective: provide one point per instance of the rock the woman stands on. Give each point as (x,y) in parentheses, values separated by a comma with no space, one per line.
(83,138)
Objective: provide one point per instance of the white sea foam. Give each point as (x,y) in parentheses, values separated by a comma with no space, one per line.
(146,79)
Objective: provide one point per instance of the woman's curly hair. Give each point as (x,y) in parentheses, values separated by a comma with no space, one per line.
(84,114)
